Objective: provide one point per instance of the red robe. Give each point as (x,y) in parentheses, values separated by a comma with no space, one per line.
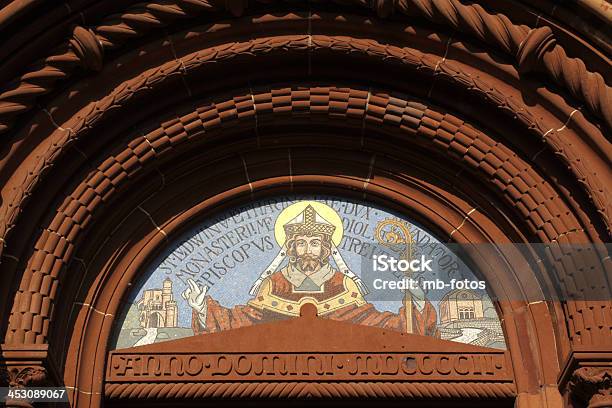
(356,311)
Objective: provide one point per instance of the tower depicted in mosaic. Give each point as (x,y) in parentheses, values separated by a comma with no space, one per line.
(158,308)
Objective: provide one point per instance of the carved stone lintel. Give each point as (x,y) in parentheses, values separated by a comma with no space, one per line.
(87,48)
(532,49)
(592,386)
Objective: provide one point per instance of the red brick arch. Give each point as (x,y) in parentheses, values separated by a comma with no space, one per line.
(212,121)
(514,169)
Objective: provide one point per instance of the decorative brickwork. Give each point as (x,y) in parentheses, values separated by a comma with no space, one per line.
(131,122)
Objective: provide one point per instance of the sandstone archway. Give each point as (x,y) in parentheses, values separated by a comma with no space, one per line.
(151,116)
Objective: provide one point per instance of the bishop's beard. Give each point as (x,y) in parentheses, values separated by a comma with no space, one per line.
(309,263)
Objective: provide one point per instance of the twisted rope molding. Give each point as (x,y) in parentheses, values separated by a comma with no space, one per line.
(416,390)
(532,49)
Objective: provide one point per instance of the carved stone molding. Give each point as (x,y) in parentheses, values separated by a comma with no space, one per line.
(587,377)
(363,389)
(60,247)
(592,386)
(100,173)
(531,51)
(22,366)
(23,376)
(593,185)
(193,388)
(286,359)
(495,29)
(87,48)
(128,90)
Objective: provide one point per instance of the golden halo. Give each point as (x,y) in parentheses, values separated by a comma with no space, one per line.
(325,211)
